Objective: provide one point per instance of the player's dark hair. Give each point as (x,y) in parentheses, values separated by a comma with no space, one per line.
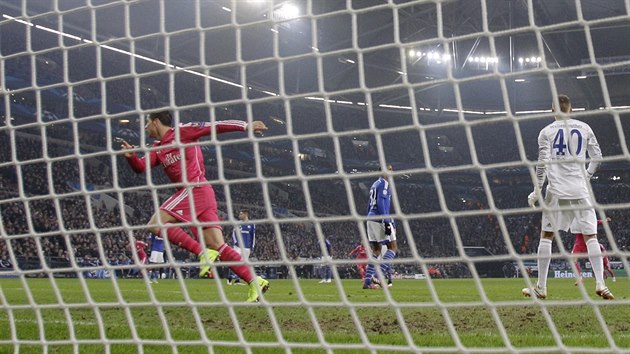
(165,117)
(246,211)
(564,103)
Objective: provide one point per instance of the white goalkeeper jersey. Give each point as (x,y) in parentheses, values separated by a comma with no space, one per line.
(567,141)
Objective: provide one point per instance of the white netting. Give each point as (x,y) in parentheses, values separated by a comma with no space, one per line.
(452,93)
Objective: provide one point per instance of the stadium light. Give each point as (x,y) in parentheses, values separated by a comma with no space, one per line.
(581,77)
(432,57)
(286,12)
(531,61)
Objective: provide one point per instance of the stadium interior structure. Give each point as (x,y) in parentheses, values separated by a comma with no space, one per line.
(338,105)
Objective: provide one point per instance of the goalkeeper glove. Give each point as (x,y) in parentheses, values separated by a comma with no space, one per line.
(532,198)
(388,229)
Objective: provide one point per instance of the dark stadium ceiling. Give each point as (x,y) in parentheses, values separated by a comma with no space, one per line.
(227,27)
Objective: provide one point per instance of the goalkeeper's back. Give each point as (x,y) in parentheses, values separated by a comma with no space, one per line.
(566,142)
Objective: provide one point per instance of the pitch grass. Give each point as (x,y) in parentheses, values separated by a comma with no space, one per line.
(139,312)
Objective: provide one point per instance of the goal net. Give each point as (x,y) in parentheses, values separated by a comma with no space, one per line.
(451,94)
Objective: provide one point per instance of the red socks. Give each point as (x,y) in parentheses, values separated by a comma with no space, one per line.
(178,237)
(228,254)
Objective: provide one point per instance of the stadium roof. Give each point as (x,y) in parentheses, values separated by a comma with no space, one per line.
(223,35)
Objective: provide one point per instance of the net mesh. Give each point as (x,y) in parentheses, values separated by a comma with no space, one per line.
(452,93)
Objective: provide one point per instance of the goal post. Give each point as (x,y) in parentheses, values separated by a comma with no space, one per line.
(452,94)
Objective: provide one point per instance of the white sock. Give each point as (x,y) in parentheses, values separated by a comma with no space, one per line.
(544,258)
(597,261)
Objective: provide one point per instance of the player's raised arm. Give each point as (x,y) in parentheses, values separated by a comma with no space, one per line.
(124,145)
(137,164)
(194,131)
(258,127)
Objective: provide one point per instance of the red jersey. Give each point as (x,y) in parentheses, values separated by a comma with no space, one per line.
(140,246)
(170,156)
(360,252)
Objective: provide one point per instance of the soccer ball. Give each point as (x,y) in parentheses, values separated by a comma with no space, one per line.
(526,292)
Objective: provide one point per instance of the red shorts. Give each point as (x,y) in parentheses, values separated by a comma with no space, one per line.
(142,257)
(180,206)
(579,246)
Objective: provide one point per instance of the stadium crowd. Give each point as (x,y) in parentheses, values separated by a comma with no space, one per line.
(92,239)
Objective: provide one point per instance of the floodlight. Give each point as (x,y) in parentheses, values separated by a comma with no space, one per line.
(287,11)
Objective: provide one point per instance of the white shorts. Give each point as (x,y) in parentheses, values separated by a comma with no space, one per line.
(579,221)
(392,237)
(245,256)
(376,232)
(156,257)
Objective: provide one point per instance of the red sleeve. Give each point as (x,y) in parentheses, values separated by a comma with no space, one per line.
(139,164)
(194,131)
(600,222)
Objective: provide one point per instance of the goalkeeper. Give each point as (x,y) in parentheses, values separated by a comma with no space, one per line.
(380,232)
(198,196)
(562,149)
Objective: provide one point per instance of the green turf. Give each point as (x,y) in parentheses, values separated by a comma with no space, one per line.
(162,315)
